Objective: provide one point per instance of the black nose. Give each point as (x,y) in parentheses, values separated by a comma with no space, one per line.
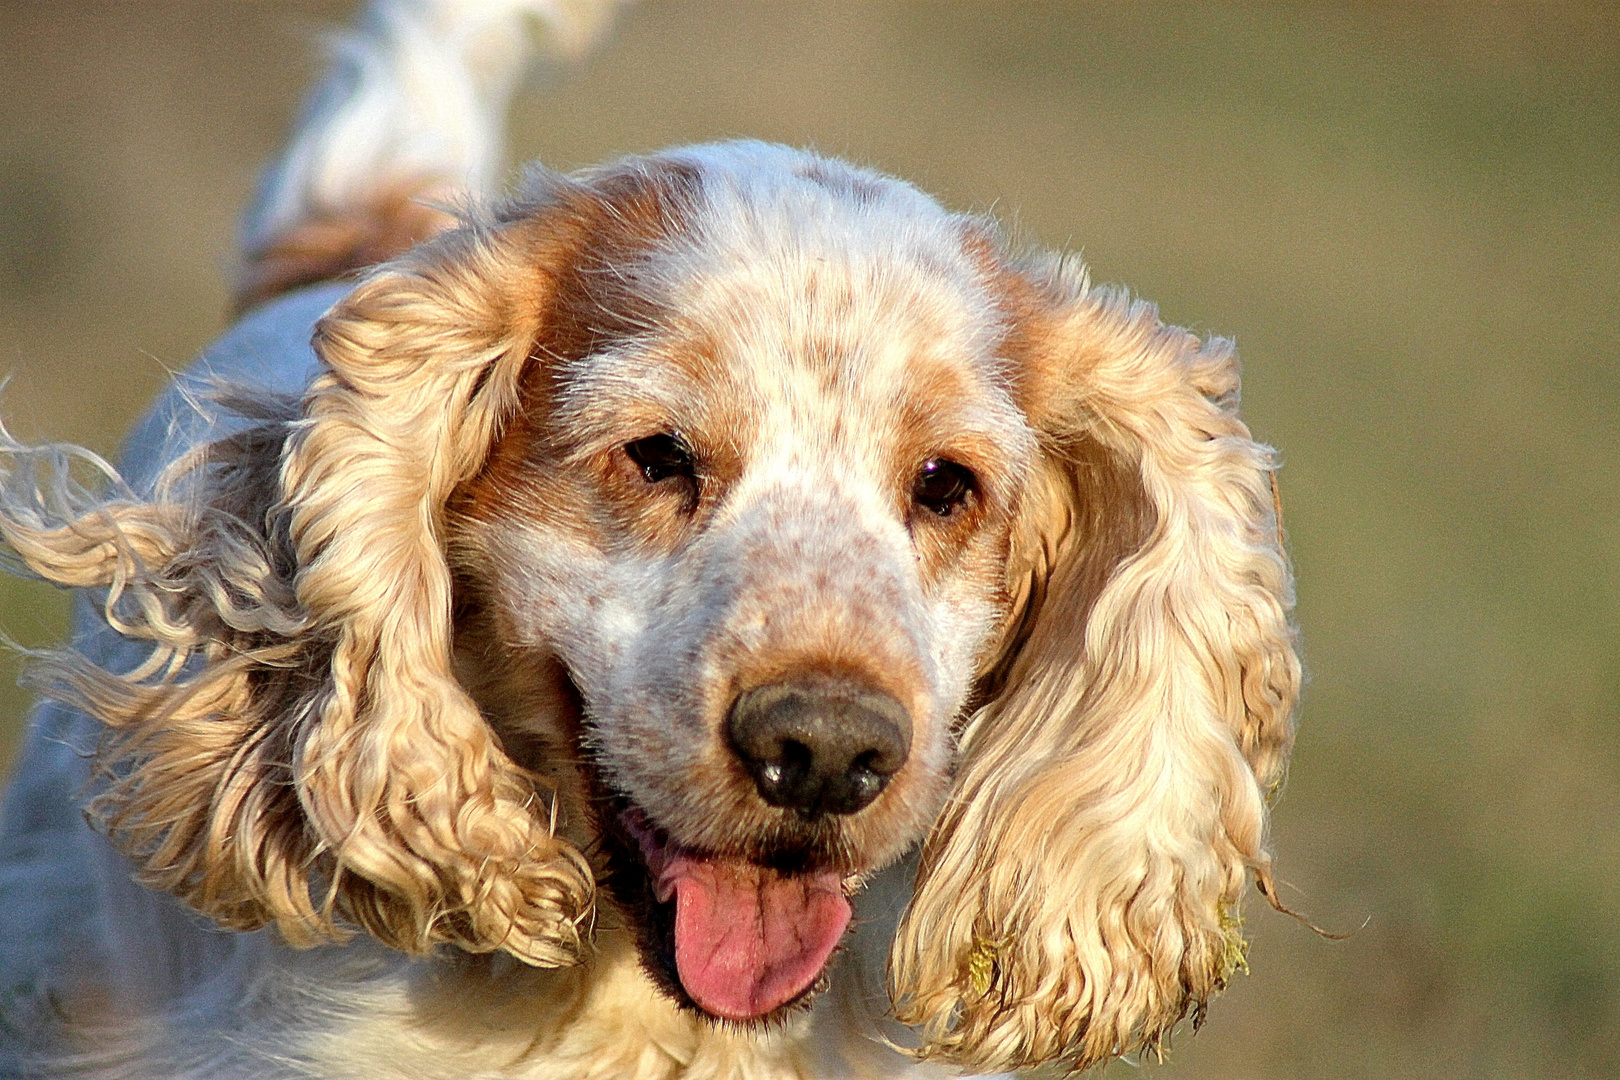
(820,748)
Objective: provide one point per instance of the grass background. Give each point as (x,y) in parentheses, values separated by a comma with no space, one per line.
(1409,218)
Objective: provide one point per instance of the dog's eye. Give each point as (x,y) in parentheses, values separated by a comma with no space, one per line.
(660,457)
(942,486)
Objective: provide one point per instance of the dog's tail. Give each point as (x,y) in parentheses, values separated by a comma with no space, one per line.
(411,111)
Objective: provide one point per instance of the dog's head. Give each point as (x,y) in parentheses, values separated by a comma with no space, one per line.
(729,522)
(752,507)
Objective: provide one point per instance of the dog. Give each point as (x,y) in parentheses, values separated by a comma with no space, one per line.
(717,614)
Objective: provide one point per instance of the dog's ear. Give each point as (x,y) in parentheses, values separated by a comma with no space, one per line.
(295,749)
(397,771)
(1079,896)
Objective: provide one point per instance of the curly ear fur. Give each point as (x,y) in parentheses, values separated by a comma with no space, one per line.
(399,768)
(1078,897)
(296,750)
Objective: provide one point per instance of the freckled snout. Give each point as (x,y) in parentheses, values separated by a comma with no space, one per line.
(819,748)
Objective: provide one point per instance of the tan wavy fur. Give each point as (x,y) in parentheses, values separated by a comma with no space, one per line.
(321,762)
(1078,896)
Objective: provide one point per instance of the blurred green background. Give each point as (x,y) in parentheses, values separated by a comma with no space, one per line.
(1409,218)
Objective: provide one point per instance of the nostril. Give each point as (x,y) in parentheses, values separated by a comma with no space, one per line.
(788,765)
(819,748)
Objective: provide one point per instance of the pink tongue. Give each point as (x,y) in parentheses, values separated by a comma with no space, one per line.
(749,940)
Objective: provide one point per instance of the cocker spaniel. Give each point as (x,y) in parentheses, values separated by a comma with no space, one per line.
(717,614)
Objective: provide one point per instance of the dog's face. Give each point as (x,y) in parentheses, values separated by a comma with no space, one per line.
(753,516)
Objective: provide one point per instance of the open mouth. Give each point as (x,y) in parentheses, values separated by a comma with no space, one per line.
(740,941)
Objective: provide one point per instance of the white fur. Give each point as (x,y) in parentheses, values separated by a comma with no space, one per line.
(418,92)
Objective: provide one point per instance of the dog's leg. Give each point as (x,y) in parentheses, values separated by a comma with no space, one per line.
(410,113)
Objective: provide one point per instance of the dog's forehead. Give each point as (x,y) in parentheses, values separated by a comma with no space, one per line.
(812,293)
(819,261)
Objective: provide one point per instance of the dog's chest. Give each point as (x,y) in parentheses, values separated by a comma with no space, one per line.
(491,1017)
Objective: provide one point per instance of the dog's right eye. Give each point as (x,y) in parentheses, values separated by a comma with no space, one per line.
(660,457)
(942,486)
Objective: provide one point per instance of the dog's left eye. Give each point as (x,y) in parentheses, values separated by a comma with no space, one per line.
(942,485)
(660,457)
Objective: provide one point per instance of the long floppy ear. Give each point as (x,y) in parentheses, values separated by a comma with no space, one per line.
(297,750)
(1080,894)
(398,771)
